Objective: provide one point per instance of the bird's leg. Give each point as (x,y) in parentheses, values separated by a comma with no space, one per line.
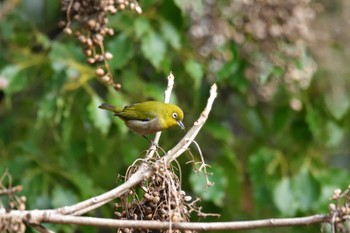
(151,141)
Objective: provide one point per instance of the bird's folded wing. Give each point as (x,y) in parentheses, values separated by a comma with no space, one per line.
(130,113)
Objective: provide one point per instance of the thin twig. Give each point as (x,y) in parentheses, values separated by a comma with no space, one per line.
(11,190)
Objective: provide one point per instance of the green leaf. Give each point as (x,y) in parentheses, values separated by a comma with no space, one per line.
(219,132)
(153,48)
(301,132)
(170,34)
(98,116)
(216,193)
(283,197)
(335,134)
(280,119)
(313,119)
(83,182)
(122,49)
(227,70)
(306,189)
(16,79)
(142,26)
(57,54)
(194,69)
(62,55)
(47,108)
(337,100)
(258,164)
(62,197)
(232,72)
(330,179)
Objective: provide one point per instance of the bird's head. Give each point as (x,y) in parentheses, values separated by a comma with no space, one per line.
(173,116)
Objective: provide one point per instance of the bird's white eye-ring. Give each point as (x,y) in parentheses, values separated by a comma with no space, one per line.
(174,115)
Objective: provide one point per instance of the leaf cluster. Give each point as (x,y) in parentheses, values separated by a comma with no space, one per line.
(268,158)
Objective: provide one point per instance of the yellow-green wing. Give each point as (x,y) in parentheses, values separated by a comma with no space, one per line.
(141,111)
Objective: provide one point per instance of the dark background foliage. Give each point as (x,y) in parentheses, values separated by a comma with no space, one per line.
(276,140)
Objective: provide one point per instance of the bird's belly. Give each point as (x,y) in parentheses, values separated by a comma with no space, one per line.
(144,127)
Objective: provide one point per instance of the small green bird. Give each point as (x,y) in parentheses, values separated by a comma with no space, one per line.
(148,117)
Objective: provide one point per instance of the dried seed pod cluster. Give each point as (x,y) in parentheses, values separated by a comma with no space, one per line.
(163,200)
(278,33)
(271,35)
(10,223)
(87,20)
(340,210)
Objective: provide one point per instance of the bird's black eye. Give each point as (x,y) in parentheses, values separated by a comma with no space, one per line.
(174,115)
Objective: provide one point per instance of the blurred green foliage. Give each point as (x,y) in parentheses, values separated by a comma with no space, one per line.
(267,159)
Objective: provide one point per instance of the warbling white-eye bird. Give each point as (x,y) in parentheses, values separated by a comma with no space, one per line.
(148,117)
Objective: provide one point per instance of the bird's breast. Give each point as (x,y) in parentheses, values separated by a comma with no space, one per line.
(145,127)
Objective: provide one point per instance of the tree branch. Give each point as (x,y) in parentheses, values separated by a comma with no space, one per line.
(49,217)
(198,226)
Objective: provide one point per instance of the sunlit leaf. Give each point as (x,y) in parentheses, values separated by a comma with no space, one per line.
(98,116)
(170,34)
(219,131)
(142,26)
(335,134)
(284,198)
(337,100)
(47,108)
(62,55)
(153,48)
(62,197)
(306,189)
(16,79)
(58,55)
(122,49)
(194,69)
(83,182)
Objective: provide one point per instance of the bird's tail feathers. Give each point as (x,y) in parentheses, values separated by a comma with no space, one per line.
(110,108)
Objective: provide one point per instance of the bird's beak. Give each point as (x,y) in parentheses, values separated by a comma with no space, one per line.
(182,126)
